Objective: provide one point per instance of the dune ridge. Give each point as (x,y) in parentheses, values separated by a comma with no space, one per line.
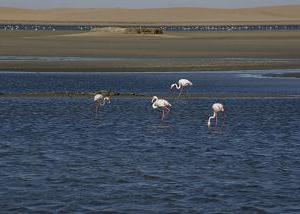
(275,14)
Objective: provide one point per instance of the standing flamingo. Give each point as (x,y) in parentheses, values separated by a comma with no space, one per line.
(161,103)
(217,107)
(182,83)
(98,98)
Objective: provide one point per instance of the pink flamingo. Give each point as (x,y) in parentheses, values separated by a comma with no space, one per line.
(182,83)
(161,103)
(217,107)
(98,98)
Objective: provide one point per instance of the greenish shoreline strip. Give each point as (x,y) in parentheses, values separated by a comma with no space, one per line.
(172,65)
(151,69)
(290,75)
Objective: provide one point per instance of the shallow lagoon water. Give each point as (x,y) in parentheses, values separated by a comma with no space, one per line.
(207,83)
(57,156)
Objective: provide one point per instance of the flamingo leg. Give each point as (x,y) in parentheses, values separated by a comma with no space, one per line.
(180,92)
(168,110)
(216,120)
(163,115)
(224,119)
(97,106)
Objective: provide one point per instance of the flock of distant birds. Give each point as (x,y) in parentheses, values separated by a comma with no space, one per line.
(168,28)
(101,100)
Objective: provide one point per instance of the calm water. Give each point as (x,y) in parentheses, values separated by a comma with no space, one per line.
(56,156)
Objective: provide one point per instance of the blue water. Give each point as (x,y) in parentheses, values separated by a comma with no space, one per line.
(56,156)
(233,83)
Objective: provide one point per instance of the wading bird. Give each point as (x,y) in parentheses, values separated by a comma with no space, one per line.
(100,100)
(182,83)
(161,103)
(217,107)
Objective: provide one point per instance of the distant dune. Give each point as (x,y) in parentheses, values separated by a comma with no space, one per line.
(279,14)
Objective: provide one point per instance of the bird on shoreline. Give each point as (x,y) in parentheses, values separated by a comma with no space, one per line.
(161,103)
(182,83)
(217,107)
(100,100)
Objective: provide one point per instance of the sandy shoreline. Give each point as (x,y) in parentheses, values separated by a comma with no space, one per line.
(183,51)
(157,67)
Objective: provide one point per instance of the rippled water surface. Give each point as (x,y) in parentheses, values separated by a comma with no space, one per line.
(57,156)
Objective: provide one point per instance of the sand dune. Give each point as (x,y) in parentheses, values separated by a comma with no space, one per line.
(279,14)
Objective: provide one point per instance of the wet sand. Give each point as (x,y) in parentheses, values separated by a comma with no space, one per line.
(169,52)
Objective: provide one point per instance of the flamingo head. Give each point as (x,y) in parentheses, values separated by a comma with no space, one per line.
(154,98)
(172,86)
(107,99)
(208,123)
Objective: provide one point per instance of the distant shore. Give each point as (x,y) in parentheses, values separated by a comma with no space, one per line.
(166,52)
(172,67)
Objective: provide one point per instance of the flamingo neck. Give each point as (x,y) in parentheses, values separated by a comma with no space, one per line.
(104,101)
(154,99)
(154,105)
(176,85)
(211,117)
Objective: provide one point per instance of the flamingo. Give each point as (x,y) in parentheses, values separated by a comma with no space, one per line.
(161,103)
(182,83)
(98,98)
(217,107)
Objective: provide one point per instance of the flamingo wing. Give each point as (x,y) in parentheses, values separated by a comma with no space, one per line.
(98,97)
(217,107)
(166,103)
(185,82)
